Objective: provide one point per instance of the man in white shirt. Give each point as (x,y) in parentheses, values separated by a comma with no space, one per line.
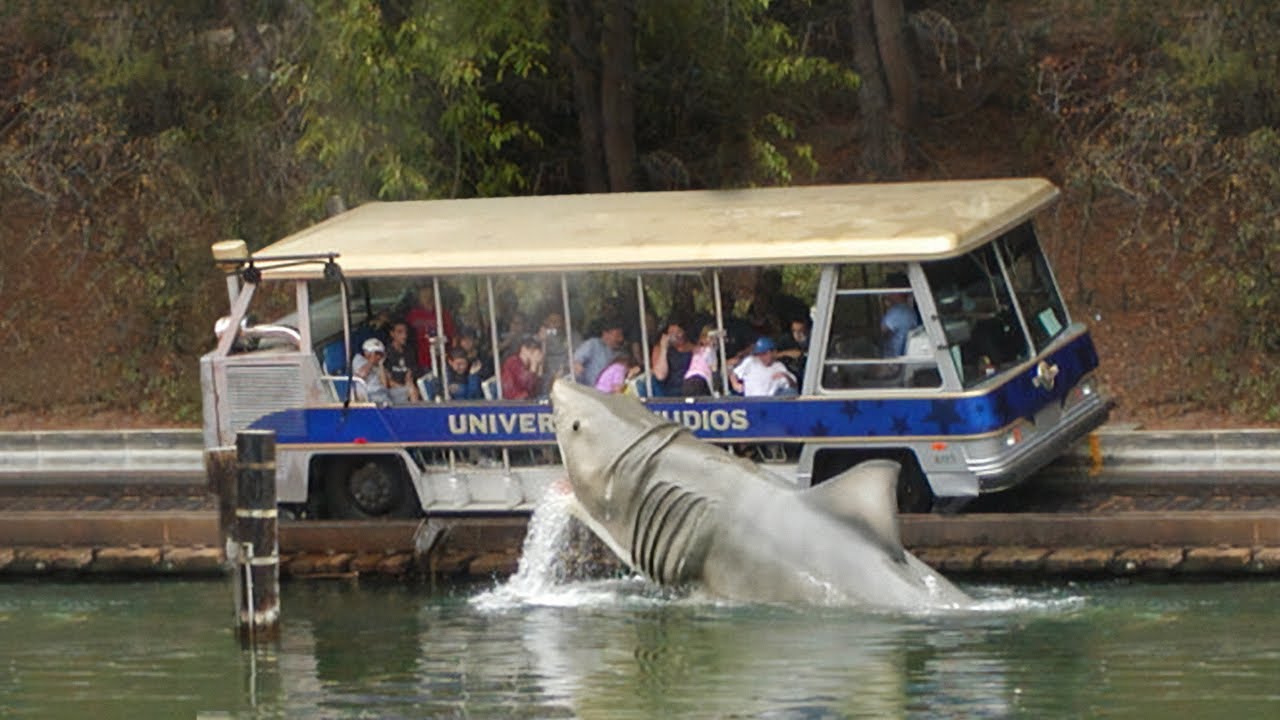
(762,374)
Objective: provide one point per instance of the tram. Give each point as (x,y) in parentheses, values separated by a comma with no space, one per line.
(919,321)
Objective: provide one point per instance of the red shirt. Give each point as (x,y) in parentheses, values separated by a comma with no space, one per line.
(423,322)
(518,381)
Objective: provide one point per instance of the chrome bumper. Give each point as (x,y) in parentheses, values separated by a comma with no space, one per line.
(1005,471)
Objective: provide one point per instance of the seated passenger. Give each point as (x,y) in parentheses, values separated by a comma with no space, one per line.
(522,371)
(367,365)
(793,348)
(613,379)
(463,376)
(700,377)
(556,348)
(401,364)
(761,374)
(594,355)
(900,318)
(475,350)
(669,360)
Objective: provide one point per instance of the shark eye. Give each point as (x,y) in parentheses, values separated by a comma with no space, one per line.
(575,425)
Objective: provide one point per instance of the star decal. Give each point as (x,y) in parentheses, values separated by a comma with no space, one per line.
(819,429)
(850,409)
(900,425)
(942,413)
(1004,410)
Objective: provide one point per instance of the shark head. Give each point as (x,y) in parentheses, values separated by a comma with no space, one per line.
(594,431)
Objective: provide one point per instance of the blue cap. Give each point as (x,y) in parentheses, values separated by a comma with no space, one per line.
(764,345)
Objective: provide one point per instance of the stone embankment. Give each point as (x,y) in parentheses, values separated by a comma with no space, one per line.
(461,560)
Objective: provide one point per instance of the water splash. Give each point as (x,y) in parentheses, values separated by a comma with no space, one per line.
(558,567)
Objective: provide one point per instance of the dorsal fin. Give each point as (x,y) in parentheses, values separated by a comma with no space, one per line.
(867,495)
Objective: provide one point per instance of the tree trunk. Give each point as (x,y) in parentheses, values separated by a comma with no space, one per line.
(583,56)
(617,93)
(881,145)
(891,40)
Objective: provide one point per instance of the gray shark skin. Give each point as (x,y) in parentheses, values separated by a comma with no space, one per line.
(684,512)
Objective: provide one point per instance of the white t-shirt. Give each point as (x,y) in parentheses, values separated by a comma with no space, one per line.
(760,379)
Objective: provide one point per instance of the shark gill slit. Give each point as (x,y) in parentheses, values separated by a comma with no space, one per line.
(686,514)
(655,494)
(664,514)
(656,542)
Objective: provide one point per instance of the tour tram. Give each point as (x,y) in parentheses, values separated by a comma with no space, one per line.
(987,380)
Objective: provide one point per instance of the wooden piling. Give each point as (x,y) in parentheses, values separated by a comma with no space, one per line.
(257,545)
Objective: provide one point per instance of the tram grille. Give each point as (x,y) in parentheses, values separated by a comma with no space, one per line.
(256,390)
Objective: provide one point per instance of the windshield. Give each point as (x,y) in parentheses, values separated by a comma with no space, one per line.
(976,304)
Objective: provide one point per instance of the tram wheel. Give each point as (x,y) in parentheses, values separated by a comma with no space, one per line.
(369,488)
(914,493)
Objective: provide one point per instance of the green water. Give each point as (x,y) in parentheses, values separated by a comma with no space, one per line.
(619,649)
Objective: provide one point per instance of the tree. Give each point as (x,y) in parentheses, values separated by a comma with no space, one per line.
(886,99)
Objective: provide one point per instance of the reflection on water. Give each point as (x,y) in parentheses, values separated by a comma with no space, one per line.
(614,648)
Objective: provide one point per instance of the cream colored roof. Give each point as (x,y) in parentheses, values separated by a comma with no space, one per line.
(689,229)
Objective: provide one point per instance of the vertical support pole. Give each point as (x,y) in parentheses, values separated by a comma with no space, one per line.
(724,361)
(257,573)
(644,337)
(568,324)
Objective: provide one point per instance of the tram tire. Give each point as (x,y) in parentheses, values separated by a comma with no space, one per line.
(363,488)
(914,493)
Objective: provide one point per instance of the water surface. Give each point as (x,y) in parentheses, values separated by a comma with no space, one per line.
(545,645)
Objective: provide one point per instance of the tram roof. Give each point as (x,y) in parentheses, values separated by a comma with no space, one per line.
(665,230)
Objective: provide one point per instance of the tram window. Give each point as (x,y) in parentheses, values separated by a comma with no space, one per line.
(1033,285)
(977,315)
(876,337)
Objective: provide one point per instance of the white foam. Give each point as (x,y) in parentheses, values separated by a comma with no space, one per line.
(544,578)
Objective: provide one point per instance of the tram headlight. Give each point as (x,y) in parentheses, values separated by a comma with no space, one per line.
(1079,394)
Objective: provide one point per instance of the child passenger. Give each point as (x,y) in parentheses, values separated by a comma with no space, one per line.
(614,377)
(702,365)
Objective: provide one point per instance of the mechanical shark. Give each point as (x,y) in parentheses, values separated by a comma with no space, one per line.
(684,512)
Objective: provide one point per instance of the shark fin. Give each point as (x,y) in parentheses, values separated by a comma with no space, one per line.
(867,495)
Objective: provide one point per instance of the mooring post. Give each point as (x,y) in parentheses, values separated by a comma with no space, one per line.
(257,544)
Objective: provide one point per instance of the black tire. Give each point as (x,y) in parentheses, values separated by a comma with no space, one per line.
(360,488)
(914,493)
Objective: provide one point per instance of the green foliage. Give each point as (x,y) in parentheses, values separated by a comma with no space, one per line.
(408,109)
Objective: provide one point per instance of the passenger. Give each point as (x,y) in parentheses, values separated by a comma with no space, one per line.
(613,379)
(762,373)
(522,371)
(422,317)
(793,348)
(900,318)
(594,355)
(555,348)
(367,365)
(669,361)
(469,343)
(771,308)
(401,364)
(509,339)
(700,377)
(463,376)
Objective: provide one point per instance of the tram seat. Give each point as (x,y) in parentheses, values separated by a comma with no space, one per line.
(338,385)
(333,357)
(490,388)
(637,386)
